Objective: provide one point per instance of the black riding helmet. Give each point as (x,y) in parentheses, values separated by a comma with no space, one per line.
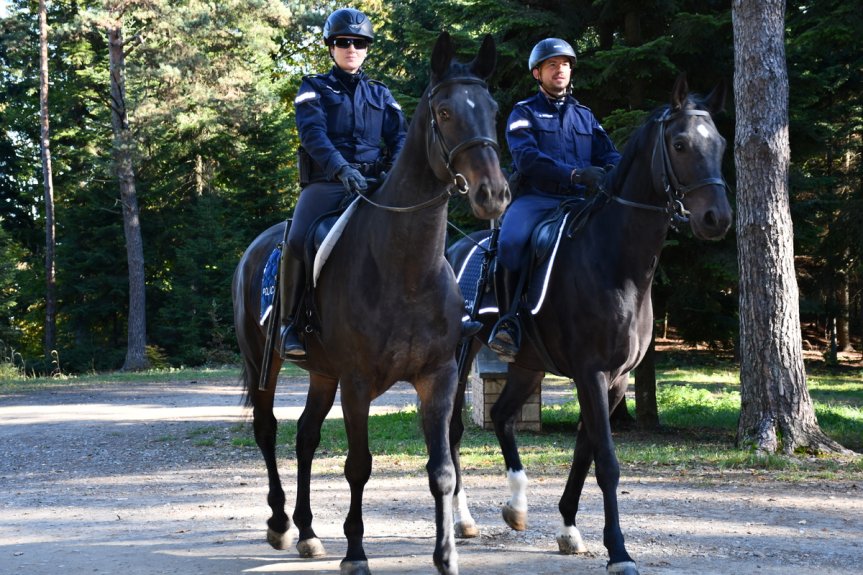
(549,48)
(348,22)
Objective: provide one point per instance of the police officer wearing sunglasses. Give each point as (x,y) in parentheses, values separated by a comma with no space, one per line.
(351,128)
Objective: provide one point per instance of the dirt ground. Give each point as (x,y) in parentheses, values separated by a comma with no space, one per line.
(142,479)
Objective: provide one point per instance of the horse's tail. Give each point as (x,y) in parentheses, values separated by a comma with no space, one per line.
(248,396)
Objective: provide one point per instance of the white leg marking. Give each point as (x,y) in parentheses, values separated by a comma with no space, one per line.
(518,489)
(461,512)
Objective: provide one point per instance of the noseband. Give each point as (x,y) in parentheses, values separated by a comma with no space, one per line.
(447,153)
(674,190)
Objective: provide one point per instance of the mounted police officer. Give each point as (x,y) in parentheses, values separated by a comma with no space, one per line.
(559,150)
(350,128)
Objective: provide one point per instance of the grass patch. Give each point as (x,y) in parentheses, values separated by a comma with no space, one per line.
(698,410)
(21,383)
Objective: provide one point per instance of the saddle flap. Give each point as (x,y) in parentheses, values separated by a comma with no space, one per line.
(547,236)
(330,238)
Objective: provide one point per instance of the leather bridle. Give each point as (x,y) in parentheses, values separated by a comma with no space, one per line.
(668,181)
(437,143)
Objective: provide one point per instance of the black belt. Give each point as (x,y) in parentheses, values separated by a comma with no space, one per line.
(550,187)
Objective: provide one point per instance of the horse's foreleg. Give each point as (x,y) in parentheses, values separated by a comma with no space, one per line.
(436,395)
(569,539)
(265,427)
(593,398)
(319,401)
(358,469)
(520,384)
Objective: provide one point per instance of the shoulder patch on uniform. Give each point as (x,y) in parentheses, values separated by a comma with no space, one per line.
(305,96)
(519,124)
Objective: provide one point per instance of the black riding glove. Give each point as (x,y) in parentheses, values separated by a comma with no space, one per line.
(352,179)
(591,177)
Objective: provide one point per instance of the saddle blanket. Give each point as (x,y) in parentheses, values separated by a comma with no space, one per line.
(268,283)
(468,277)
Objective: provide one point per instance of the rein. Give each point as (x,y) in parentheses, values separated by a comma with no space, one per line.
(674,191)
(459,183)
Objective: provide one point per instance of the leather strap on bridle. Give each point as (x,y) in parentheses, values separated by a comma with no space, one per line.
(668,181)
(447,154)
(459,182)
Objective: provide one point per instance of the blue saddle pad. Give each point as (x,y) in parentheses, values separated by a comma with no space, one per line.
(268,284)
(468,278)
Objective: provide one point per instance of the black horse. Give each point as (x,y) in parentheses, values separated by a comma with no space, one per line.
(388,307)
(596,320)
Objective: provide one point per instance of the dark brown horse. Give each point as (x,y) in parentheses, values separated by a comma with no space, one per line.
(388,307)
(596,321)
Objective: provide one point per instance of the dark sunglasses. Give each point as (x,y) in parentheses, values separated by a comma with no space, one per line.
(358,43)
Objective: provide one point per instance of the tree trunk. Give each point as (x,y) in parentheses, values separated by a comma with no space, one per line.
(843,314)
(646,411)
(48,181)
(136,357)
(776,412)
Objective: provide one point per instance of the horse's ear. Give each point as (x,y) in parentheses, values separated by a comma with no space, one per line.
(715,100)
(442,55)
(483,65)
(679,93)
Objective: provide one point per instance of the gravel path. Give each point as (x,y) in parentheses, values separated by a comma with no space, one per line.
(141,479)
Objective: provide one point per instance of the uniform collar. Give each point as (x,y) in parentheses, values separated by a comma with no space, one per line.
(349,81)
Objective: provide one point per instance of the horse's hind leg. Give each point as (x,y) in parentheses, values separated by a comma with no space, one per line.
(463,522)
(265,427)
(322,392)
(436,394)
(520,384)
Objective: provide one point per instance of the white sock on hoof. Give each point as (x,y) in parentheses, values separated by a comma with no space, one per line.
(569,540)
(461,514)
(518,489)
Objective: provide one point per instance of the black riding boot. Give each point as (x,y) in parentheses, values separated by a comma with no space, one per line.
(291,287)
(505,338)
(469,327)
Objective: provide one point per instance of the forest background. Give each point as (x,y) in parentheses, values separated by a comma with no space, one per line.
(209,93)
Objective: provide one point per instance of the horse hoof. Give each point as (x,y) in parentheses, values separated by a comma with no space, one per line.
(569,542)
(517,520)
(622,568)
(466,530)
(280,541)
(309,548)
(354,568)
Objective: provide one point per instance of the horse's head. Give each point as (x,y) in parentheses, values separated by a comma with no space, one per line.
(462,141)
(688,161)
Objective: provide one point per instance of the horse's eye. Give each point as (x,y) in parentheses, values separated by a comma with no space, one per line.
(443,114)
(678,146)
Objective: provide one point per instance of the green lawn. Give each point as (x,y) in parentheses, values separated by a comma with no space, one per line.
(698,410)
